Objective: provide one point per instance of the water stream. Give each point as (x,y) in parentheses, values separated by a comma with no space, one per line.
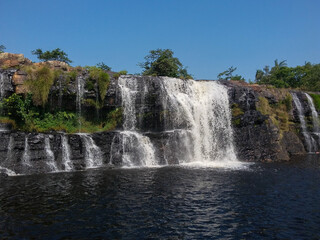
(310,141)
(93,154)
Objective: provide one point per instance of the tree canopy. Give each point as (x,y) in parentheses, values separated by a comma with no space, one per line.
(228,75)
(56,54)
(306,77)
(2,48)
(103,66)
(160,62)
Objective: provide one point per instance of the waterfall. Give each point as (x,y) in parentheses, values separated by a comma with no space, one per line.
(315,117)
(137,148)
(311,143)
(93,154)
(80,92)
(5,168)
(200,110)
(196,114)
(1,85)
(26,153)
(66,154)
(50,155)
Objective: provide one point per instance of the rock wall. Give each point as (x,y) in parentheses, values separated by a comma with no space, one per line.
(256,136)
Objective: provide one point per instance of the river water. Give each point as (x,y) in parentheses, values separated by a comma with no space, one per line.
(257,201)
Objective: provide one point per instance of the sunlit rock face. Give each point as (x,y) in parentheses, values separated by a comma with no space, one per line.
(166,121)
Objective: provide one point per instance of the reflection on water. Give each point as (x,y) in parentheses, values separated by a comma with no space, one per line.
(278,200)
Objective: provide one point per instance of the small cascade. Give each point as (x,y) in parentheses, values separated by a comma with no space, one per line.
(60,93)
(66,153)
(50,155)
(137,148)
(26,153)
(1,85)
(5,166)
(80,91)
(93,154)
(311,143)
(315,116)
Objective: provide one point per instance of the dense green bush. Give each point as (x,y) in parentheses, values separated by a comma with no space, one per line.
(56,54)
(316,100)
(160,62)
(305,77)
(101,78)
(39,83)
(19,109)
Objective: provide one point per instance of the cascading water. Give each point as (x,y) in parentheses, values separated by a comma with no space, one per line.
(80,91)
(5,166)
(311,143)
(93,154)
(26,153)
(1,85)
(137,148)
(200,111)
(315,116)
(66,155)
(50,155)
(196,114)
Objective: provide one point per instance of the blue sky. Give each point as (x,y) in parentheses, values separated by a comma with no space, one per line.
(208,36)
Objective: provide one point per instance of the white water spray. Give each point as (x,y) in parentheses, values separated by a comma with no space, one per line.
(93,154)
(311,143)
(197,113)
(26,153)
(203,108)
(50,155)
(137,148)
(66,155)
(80,92)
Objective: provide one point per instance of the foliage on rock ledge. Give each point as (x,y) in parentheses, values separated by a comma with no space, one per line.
(24,115)
(278,113)
(39,82)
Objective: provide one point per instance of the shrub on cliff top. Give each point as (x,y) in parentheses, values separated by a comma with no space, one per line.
(2,48)
(161,62)
(56,54)
(39,83)
(100,77)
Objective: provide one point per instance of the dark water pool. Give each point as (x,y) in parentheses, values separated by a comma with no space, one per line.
(263,201)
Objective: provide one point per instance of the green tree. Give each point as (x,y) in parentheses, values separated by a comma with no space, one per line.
(2,48)
(228,75)
(103,66)
(56,54)
(161,62)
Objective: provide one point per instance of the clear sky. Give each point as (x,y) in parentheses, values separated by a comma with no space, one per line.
(208,36)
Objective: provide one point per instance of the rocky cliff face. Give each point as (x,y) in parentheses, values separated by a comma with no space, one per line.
(265,123)
(257,138)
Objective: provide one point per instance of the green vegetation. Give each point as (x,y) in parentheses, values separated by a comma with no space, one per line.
(101,78)
(161,62)
(228,75)
(305,77)
(278,113)
(118,74)
(236,112)
(23,115)
(56,54)
(39,83)
(2,48)
(316,100)
(103,66)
